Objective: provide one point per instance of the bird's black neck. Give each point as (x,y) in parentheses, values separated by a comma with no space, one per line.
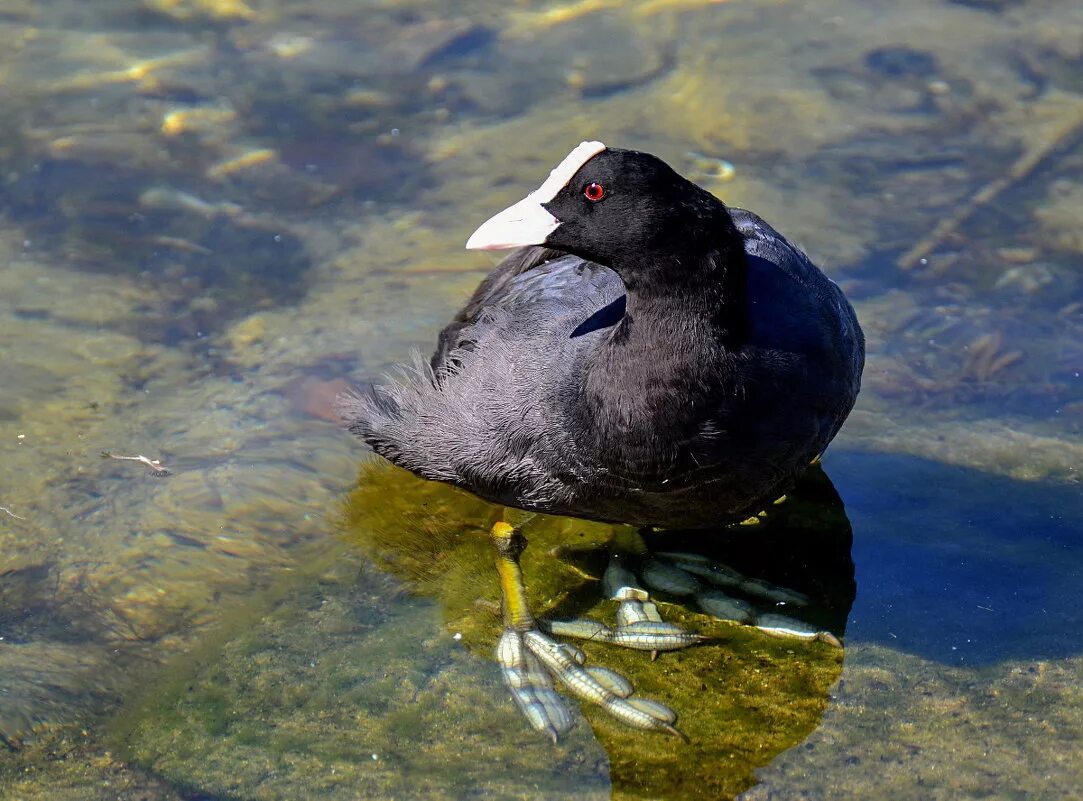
(657,373)
(696,278)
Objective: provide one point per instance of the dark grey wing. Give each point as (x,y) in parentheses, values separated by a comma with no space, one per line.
(793,308)
(496,283)
(491,287)
(764,242)
(534,281)
(787,291)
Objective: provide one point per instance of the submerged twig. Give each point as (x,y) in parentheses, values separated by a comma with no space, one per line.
(1062,137)
(155,465)
(7,511)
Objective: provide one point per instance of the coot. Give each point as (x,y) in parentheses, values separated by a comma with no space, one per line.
(646,356)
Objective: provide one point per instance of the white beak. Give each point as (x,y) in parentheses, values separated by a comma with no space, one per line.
(525,223)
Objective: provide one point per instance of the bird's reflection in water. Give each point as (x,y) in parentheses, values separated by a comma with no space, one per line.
(742,696)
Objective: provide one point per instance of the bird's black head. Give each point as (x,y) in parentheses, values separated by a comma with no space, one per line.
(620,208)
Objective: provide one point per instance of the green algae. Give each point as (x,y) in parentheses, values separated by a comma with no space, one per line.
(905,731)
(393,707)
(740,701)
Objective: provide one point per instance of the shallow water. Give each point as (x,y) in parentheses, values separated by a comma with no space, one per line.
(214,215)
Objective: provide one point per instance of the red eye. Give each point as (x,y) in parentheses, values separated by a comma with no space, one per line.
(594,191)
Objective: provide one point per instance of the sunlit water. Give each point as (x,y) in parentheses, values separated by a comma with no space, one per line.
(215,215)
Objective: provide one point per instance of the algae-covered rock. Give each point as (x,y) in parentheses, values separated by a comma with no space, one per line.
(348,689)
(43,682)
(903,729)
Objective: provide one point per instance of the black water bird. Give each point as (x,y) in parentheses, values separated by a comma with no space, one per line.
(649,356)
(646,356)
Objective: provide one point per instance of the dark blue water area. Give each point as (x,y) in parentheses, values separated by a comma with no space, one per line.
(960,566)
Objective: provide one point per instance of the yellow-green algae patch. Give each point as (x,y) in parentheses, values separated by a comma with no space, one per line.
(741,699)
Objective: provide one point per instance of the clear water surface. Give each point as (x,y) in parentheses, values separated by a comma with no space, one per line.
(216,214)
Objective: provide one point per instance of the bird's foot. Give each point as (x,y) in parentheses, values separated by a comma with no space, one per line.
(639,625)
(531,660)
(716,590)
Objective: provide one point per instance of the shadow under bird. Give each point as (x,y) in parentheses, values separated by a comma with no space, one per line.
(646,356)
